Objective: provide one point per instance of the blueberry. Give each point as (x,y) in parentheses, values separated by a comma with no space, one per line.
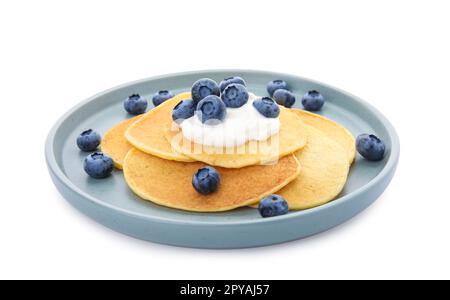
(313,101)
(206,180)
(211,110)
(274,85)
(135,104)
(273,205)
(227,81)
(98,165)
(88,140)
(284,97)
(370,147)
(267,107)
(161,96)
(204,87)
(235,95)
(183,110)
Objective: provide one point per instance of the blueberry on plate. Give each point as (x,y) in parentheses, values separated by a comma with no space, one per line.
(284,97)
(183,110)
(227,81)
(135,104)
(235,95)
(313,101)
(203,88)
(267,107)
(88,140)
(206,180)
(161,96)
(211,110)
(277,84)
(98,165)
(273,205)
(370,147)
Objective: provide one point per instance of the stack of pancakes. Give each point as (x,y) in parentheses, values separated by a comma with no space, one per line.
(308,165)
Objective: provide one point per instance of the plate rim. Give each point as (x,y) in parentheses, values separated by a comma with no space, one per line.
(385,172)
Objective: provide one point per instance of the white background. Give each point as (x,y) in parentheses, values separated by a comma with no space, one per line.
(394,54)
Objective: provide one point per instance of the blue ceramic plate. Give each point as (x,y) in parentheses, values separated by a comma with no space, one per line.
(112,204)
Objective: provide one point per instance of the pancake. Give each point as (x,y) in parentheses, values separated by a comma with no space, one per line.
(114,143)
(147,134)
(324,173)
(291,137)
(332,130)
(169,183)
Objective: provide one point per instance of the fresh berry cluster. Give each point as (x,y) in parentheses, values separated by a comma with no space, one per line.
(210,100)
(136,105)
(279,90)
(98,164)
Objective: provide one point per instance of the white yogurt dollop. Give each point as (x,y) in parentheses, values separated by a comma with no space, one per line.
(240,125)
